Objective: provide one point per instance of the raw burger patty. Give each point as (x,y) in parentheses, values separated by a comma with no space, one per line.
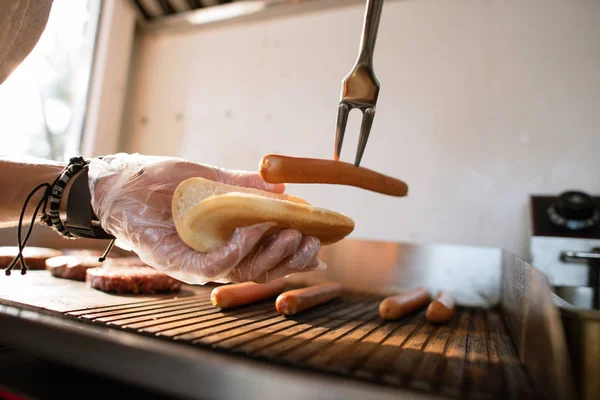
(133,280)
(35,257)
(72,267)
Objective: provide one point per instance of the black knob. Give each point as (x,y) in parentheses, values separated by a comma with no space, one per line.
(575,205)
(574,210)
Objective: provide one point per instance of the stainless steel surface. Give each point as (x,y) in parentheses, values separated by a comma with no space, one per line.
(578,296)
(593,262)
(580,313)
(545,255)
(582,329)
(173,368)
(570,256)
(345,338)
(535,325)
(564,257)
(360,87)
(30,376)
(471,273)
(39,289)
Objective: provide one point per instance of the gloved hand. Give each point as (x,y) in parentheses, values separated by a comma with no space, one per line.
(131,195)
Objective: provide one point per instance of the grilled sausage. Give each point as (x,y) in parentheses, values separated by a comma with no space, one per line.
(294,301)
(441,309)
(283,169)
(239,294)
(398,306)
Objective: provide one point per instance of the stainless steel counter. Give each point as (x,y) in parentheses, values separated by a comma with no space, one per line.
(40,313)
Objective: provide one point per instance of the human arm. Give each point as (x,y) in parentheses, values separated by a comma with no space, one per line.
(131,195)
(18,177)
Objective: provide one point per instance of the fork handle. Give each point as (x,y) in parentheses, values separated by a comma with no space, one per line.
(370,28)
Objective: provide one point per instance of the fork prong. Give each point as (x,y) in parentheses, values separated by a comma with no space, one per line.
(340,129)
(365,129)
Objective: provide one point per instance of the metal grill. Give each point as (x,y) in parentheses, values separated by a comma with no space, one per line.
(473,356)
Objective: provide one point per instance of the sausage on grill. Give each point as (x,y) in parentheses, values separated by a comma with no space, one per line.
(441,309)
(398,306)
(239,294)
(298,300)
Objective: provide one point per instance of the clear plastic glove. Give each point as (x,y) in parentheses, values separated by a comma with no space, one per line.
(131,195)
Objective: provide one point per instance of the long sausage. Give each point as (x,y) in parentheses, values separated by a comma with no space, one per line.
(398,306)
(441,309)
(283,169)
(295,301)
(239,294)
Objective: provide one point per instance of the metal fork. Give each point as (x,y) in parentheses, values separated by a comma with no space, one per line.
(360,87)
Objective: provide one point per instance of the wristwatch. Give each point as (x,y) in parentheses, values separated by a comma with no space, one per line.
(81,220)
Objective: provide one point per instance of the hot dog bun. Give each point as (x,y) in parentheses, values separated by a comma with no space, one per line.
(206,213)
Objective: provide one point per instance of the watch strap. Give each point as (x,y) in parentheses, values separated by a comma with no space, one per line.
(81,220)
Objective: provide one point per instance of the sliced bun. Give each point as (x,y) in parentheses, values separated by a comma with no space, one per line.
(206,214)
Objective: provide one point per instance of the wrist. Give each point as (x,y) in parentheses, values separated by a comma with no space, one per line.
(40,174)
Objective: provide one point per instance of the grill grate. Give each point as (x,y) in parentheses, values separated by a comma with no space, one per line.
(473,356)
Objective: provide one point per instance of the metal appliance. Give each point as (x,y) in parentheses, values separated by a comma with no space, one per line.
(565,245)
(505,341)
(569,222)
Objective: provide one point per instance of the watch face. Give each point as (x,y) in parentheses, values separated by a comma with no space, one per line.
(81,220)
